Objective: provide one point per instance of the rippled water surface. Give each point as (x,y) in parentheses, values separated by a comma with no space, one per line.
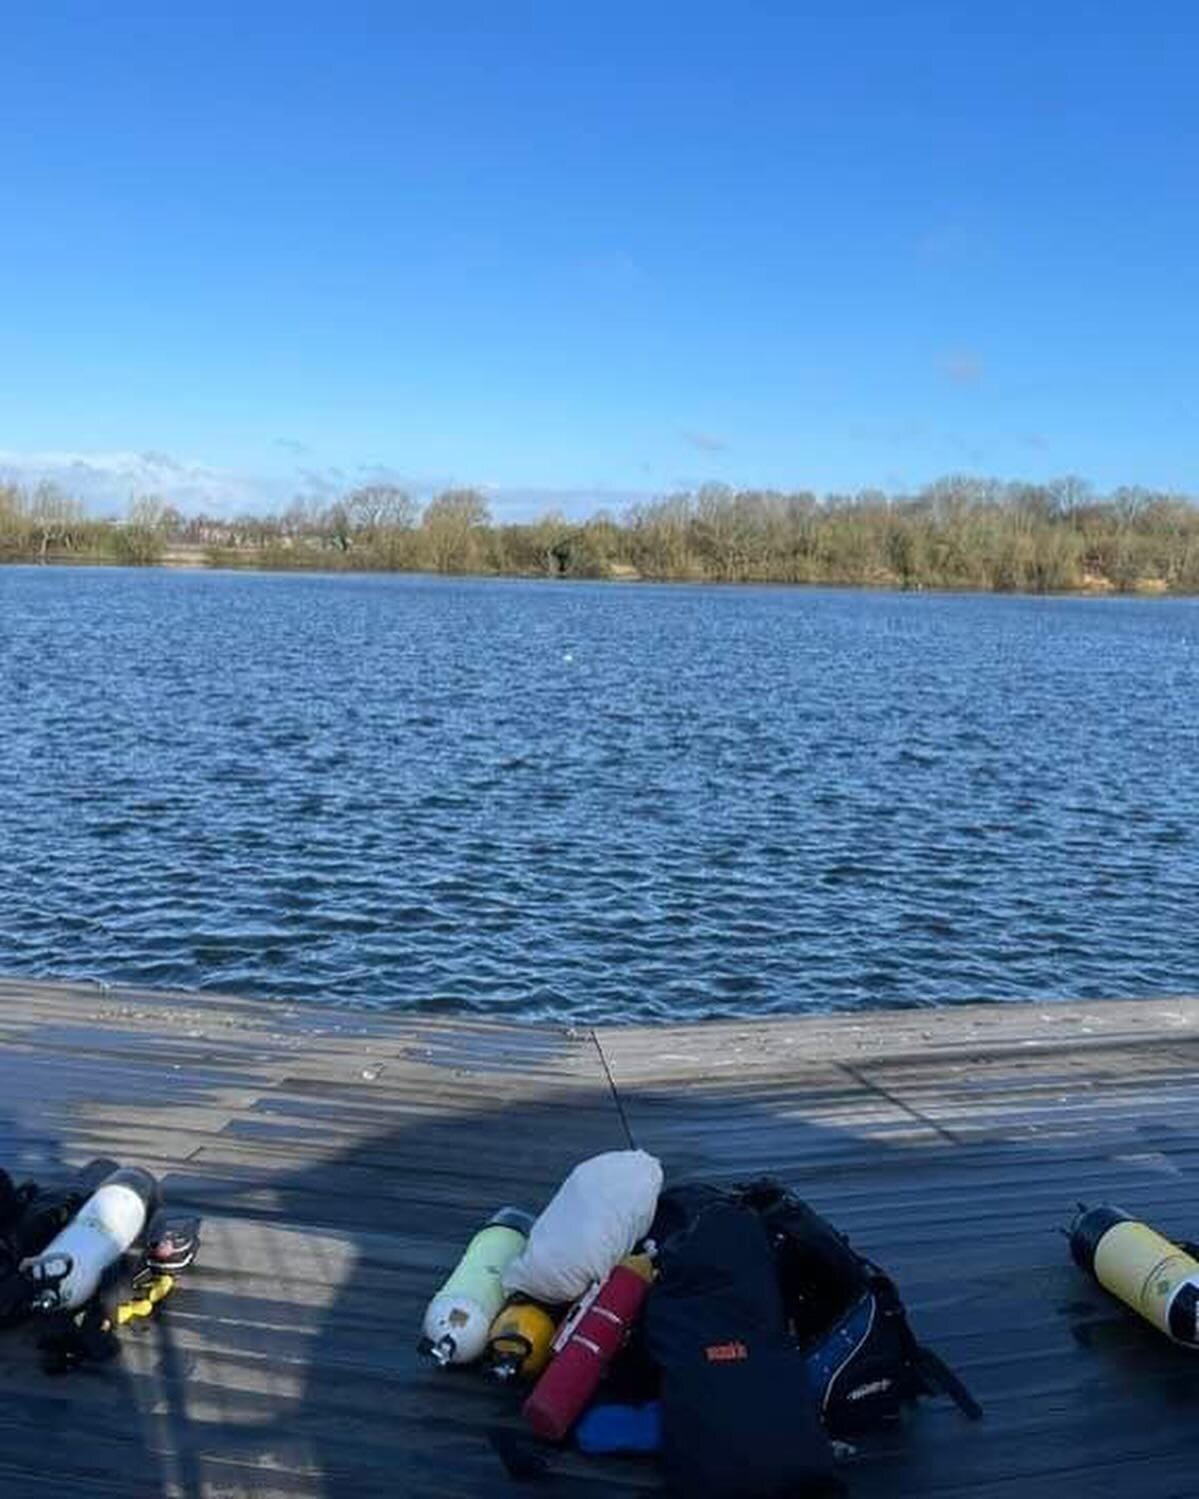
(595,800)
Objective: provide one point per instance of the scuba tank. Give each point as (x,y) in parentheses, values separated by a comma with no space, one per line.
(586,1344)
(31,1217)
(521,1341)
(459,1317)
(1155,1277)
(89,1335)
(69,1271)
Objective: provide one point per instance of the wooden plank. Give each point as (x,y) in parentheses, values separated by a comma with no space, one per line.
(341,1159)
(341,1162)
(1011,1117)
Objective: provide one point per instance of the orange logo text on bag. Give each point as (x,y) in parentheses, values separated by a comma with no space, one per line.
(726,1353)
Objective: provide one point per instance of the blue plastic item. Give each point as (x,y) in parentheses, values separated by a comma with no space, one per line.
(620,1428)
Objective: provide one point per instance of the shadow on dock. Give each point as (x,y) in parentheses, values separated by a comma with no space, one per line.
(339,1189)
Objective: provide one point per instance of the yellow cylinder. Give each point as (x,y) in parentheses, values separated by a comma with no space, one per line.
(1146,1271)
(520,1341)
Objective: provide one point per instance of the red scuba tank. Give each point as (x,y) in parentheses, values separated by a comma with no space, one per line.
(590,1343)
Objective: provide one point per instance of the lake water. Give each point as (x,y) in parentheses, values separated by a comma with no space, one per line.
(595,801)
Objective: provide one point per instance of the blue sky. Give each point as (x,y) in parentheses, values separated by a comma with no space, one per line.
(577,251)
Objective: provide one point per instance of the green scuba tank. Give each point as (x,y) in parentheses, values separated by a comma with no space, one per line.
(459,1317)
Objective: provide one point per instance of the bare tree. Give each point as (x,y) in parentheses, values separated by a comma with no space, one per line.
(380,507)
(453,522)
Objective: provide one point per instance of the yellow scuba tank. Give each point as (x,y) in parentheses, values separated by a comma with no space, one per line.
(1156,1278)
(459,1317)
(520,1341)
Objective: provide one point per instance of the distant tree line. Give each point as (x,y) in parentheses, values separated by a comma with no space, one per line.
(960,532)
(45,525)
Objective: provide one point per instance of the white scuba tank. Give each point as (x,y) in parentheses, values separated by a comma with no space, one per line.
(459,1317)
(69,1270)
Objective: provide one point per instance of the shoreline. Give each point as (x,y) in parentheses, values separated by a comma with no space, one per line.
(1144,588)
(957,1022)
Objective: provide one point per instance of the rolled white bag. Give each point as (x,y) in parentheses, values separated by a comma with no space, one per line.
(69,1270)
(594,1219)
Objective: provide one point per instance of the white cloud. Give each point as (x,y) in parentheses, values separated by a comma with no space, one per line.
(107,481)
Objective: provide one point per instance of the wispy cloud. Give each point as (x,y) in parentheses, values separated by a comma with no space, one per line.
(294,447)
(318,483)
(388,473)
(106,481)
(706,442)
(1035,440)
(961,366)
(153,458)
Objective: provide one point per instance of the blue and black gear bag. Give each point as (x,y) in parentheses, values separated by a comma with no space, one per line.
(737,1416)
(843,1313)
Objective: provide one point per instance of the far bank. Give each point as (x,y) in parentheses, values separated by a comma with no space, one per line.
(193,558)
(958,534)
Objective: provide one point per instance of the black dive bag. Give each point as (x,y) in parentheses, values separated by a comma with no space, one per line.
(738,1418)
(31,1217)
(843,1313)
(848,1318)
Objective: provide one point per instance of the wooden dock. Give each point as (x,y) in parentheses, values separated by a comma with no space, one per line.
(341,1160)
